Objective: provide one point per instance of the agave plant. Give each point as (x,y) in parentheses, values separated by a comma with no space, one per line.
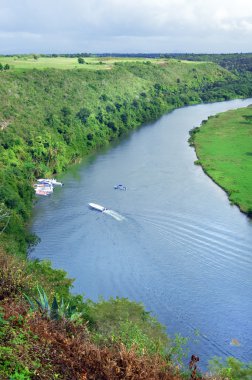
(54,311)
(41,303)
(62,310)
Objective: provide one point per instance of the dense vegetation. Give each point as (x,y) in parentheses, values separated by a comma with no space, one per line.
(238,63)
(223,145)
(49,118)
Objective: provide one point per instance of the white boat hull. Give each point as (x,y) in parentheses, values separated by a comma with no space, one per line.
(42,192)
(97,207)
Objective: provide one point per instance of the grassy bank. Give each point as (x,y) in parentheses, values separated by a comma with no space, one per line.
(223,146)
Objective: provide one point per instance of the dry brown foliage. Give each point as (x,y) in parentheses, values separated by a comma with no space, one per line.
(63,348)
(13,277)
(75,357)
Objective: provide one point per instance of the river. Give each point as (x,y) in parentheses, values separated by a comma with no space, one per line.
(172,241)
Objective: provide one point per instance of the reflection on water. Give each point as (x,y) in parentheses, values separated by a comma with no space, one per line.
(181,249)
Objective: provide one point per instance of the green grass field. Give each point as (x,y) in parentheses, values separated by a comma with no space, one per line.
(224,148)
(91,63)
(28,62)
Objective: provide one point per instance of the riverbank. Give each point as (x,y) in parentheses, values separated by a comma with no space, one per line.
(223,147)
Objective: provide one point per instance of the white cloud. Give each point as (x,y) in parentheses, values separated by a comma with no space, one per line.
(140,25)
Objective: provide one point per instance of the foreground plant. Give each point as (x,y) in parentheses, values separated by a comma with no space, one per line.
(57,310)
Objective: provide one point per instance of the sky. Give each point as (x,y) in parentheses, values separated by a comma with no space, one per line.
(125,26)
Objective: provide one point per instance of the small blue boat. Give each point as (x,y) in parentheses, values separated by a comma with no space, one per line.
(120,187)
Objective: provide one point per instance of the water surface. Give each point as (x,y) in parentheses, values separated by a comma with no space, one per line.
(172,241)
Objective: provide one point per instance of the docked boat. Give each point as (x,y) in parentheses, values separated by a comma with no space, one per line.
(41,191)
(97,207)
(43,188)
(51,181)
(120,187)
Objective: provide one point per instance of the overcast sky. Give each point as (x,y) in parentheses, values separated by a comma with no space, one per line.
(125,26)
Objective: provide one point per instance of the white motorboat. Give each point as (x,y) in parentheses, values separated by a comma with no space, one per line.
(48,187)
(52,181)
(97,207)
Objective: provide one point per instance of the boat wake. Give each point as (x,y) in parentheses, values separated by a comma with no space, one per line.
(114,214)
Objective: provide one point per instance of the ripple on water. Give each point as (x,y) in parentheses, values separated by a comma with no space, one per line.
(215,245)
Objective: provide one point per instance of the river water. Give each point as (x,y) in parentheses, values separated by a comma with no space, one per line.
(172,241)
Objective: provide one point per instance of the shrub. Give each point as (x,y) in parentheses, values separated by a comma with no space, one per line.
(81,60)
(13,277)
(231,369)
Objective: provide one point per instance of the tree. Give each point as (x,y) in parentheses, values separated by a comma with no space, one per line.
(81,60)
(83,114)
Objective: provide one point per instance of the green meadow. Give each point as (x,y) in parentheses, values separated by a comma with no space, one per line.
(224,148)
(41,63)
(34,61)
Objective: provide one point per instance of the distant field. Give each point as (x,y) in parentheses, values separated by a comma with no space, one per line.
(91,63)
(224,148)
(57,63)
